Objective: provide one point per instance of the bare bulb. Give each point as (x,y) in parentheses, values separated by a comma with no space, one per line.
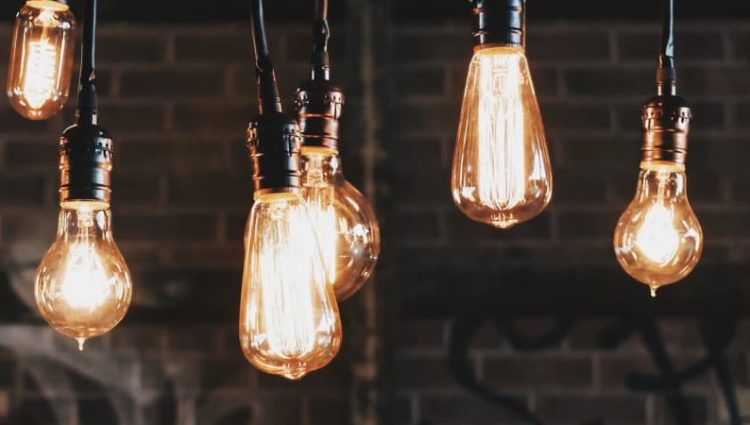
(501,167)
(658,240)
(345,223)
(41,60)
(289,319)
(83,287)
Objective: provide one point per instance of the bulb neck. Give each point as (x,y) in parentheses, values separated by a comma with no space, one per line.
(320,167)
(666,125)
(499,22)
(274,146)
(84,220)
(661,180)
(86,152)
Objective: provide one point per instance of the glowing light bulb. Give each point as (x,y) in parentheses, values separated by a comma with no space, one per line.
(346,226)
(289,320)
(501,168)
(83,287)
(41,59)
(658,240)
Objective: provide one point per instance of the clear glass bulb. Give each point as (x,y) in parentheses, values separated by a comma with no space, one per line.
(345,223)
(83,286)
(658,240)
(501,167)
(41,59)
(289,319)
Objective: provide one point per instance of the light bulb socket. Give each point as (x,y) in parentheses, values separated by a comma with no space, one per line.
(666,125)
(273,141)
(85,164)
(318,108)
(499,22)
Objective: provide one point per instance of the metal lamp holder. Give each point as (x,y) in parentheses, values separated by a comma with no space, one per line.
(273,137)
(499,22)
(666,117)
(86,148)
(319,101)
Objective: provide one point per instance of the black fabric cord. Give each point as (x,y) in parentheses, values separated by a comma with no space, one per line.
(87,86)
(320,63)
(666,75)
(268,91)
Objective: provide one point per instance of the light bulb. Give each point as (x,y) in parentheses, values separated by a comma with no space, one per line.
(83,286)
(41,60)
(501,168)
(289,319)
(346,226)
(658,240)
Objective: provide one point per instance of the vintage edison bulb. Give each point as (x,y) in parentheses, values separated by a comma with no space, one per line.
(289,319)
(658,239)
(346,226)
(83,286)
(501,168)
(41,59)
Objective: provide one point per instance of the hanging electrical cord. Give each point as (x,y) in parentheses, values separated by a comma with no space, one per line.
(320,63)
(87,104)
(658,240)
(268,89)
(666,73)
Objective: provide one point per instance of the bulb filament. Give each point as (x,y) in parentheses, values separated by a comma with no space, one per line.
(501,167)
(39,81)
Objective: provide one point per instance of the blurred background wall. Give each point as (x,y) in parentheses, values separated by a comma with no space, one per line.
(463,324)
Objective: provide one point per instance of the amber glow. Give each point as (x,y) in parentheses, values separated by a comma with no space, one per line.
(346,226)
(501,169)
(289,321)
(41,59)
(83,286)
(658,240)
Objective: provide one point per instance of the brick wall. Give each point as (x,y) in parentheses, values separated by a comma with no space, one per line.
(480,326)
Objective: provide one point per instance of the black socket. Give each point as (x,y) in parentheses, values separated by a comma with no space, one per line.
(318,107)
(499,22)
(85,164)
(273,141)
(666,125)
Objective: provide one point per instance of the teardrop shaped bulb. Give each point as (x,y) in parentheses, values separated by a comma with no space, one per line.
(501,169)
(289,319)
(41,59)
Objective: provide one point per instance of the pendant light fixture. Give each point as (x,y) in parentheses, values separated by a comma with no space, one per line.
(289,319)
(658,239)
(501,169)
(83,286)
(41,58)
(346,225)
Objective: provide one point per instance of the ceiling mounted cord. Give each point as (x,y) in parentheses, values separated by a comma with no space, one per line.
(666,76)
(320,63)
(269,99)
(87,89)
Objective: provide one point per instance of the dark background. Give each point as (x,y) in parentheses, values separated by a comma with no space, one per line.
(462,324)
(408,10)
